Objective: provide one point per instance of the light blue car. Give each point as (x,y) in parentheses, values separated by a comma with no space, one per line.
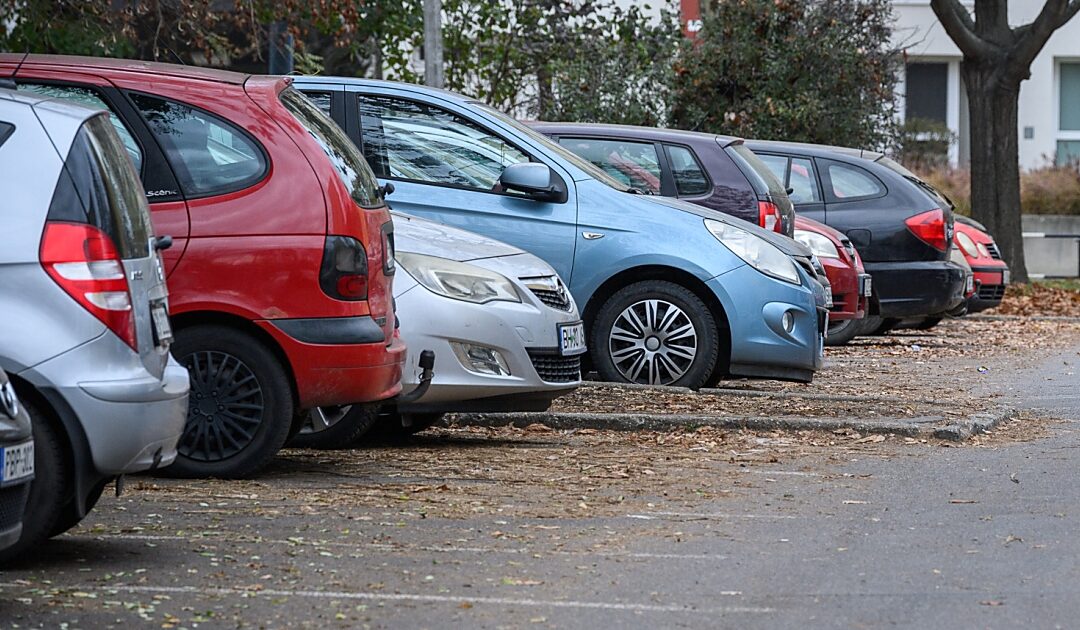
(672,293)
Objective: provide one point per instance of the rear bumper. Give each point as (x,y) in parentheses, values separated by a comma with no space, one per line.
(331,368)
(917,288)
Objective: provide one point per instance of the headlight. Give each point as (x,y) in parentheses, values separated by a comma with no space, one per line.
(755,251)
(818,243)
(967,244)
(456,280)
(983,250)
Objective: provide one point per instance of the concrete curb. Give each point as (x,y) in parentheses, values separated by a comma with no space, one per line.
(1011,318)
(758,393)
(922,426)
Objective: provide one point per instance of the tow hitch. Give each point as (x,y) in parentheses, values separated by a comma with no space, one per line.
(427,363)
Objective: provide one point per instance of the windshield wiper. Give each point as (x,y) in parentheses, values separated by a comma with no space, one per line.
(638,191)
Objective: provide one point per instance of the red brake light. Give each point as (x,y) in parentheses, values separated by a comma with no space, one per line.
(929,227)
(83,260)
(344,271)
(769,216)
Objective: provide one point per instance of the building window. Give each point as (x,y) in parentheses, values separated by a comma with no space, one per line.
(926,88)
(1068,144)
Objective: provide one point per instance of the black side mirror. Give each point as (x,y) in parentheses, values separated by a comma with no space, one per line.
(387,189)
(534,179)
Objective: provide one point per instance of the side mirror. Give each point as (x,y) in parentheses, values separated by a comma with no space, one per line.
(534,179)
(387,189)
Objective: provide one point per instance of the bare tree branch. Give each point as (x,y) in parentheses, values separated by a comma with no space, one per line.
(961,28)
(1032,37)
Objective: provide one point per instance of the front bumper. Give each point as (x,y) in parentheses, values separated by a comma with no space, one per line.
(991,282)
(132,420)
(331,368)
(917,288)
(849,297)
(755,305)
(524,334)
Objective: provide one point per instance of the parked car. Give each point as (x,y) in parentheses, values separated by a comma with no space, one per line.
(282,260)
(850,285)
(672,293)
(991,272)
(721,173)
(714,171)
(86,332)
(16,456)
(505,331)
(901,229)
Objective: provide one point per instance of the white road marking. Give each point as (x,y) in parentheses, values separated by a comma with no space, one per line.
(718,515)
(790,473)
(411,597)
(427,548)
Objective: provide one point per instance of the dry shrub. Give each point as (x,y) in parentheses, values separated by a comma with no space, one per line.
(1046,190)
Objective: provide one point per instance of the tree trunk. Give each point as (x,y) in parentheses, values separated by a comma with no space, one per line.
(993,99)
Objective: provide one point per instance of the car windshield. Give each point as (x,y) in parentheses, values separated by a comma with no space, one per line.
(589,168)
(350,166)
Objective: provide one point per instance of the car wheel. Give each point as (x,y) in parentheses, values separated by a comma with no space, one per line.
(51,489)
(389,428)
(70,516)
(335,427)
(240,408)
(928,323)
(842,331)
(656,333)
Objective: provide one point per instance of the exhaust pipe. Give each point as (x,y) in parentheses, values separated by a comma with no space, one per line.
(427,364)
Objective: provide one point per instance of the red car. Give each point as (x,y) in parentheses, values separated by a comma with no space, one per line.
(991,272)
(281,261)
(851,285)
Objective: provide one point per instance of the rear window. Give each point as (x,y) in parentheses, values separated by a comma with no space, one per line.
(99,187)
(761,178)
(6,129)
(344,156)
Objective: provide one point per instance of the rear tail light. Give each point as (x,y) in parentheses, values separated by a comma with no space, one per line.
(83,260)
(344,272)
(930,228)
(769,216)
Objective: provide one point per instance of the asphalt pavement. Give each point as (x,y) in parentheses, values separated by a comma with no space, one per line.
(892,535)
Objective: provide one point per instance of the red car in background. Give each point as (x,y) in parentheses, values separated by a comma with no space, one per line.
(281,259)
(851,285)
(991,272)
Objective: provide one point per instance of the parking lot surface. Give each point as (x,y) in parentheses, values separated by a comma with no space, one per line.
(534,527)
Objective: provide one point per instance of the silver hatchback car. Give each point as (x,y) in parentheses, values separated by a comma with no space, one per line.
(506,334)
(85,333)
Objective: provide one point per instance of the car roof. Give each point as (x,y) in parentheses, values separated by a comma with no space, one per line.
(822,150)
(125,65)
(397,85)
(628,131)
(56,106)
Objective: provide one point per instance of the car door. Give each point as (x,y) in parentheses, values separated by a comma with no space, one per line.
(445,162)
(168,208)
(799,175)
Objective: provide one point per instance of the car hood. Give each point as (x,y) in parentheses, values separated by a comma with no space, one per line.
(421,236)
(810,225)
(787,245)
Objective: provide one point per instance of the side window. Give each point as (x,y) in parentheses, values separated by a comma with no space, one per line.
(210,156)
(778,164)
(415,141)
(90,98)
(851,182)
(321,99)
(803,181)
(635,164)
(6,129)
(690,178)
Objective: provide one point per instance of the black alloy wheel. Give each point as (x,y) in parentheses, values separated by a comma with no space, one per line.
(225,407)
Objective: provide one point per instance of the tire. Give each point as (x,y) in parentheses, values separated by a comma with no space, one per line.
(624,333)
(70,516)
(927,323)
(230,433)
(390,429)
(843,331)
(330,428)
(51,490)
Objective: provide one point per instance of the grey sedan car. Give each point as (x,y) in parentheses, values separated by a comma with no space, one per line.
(505,331)
(86,333)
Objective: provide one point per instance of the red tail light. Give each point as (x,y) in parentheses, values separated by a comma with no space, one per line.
(929,227)
(769,216)
(344,272)
(83,260)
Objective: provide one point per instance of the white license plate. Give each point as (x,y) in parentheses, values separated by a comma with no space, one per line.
(162,328)
(867,286)
(571,338)
(970,285)
(1005,277)
(17,462)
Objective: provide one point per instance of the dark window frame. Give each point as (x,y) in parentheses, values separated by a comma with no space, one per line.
(6,131)
(249,182)
(710,187)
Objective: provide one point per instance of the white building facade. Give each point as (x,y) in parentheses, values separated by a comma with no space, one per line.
(931,88)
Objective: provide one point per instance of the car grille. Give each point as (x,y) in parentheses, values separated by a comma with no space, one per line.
(553,368)
(551,291)
(995,253)
(992,292)
(12,504)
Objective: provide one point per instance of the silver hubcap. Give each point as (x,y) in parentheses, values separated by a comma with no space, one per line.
(322,418)
(653,342)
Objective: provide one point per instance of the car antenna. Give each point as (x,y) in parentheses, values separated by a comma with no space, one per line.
(9,81)
(175,56)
